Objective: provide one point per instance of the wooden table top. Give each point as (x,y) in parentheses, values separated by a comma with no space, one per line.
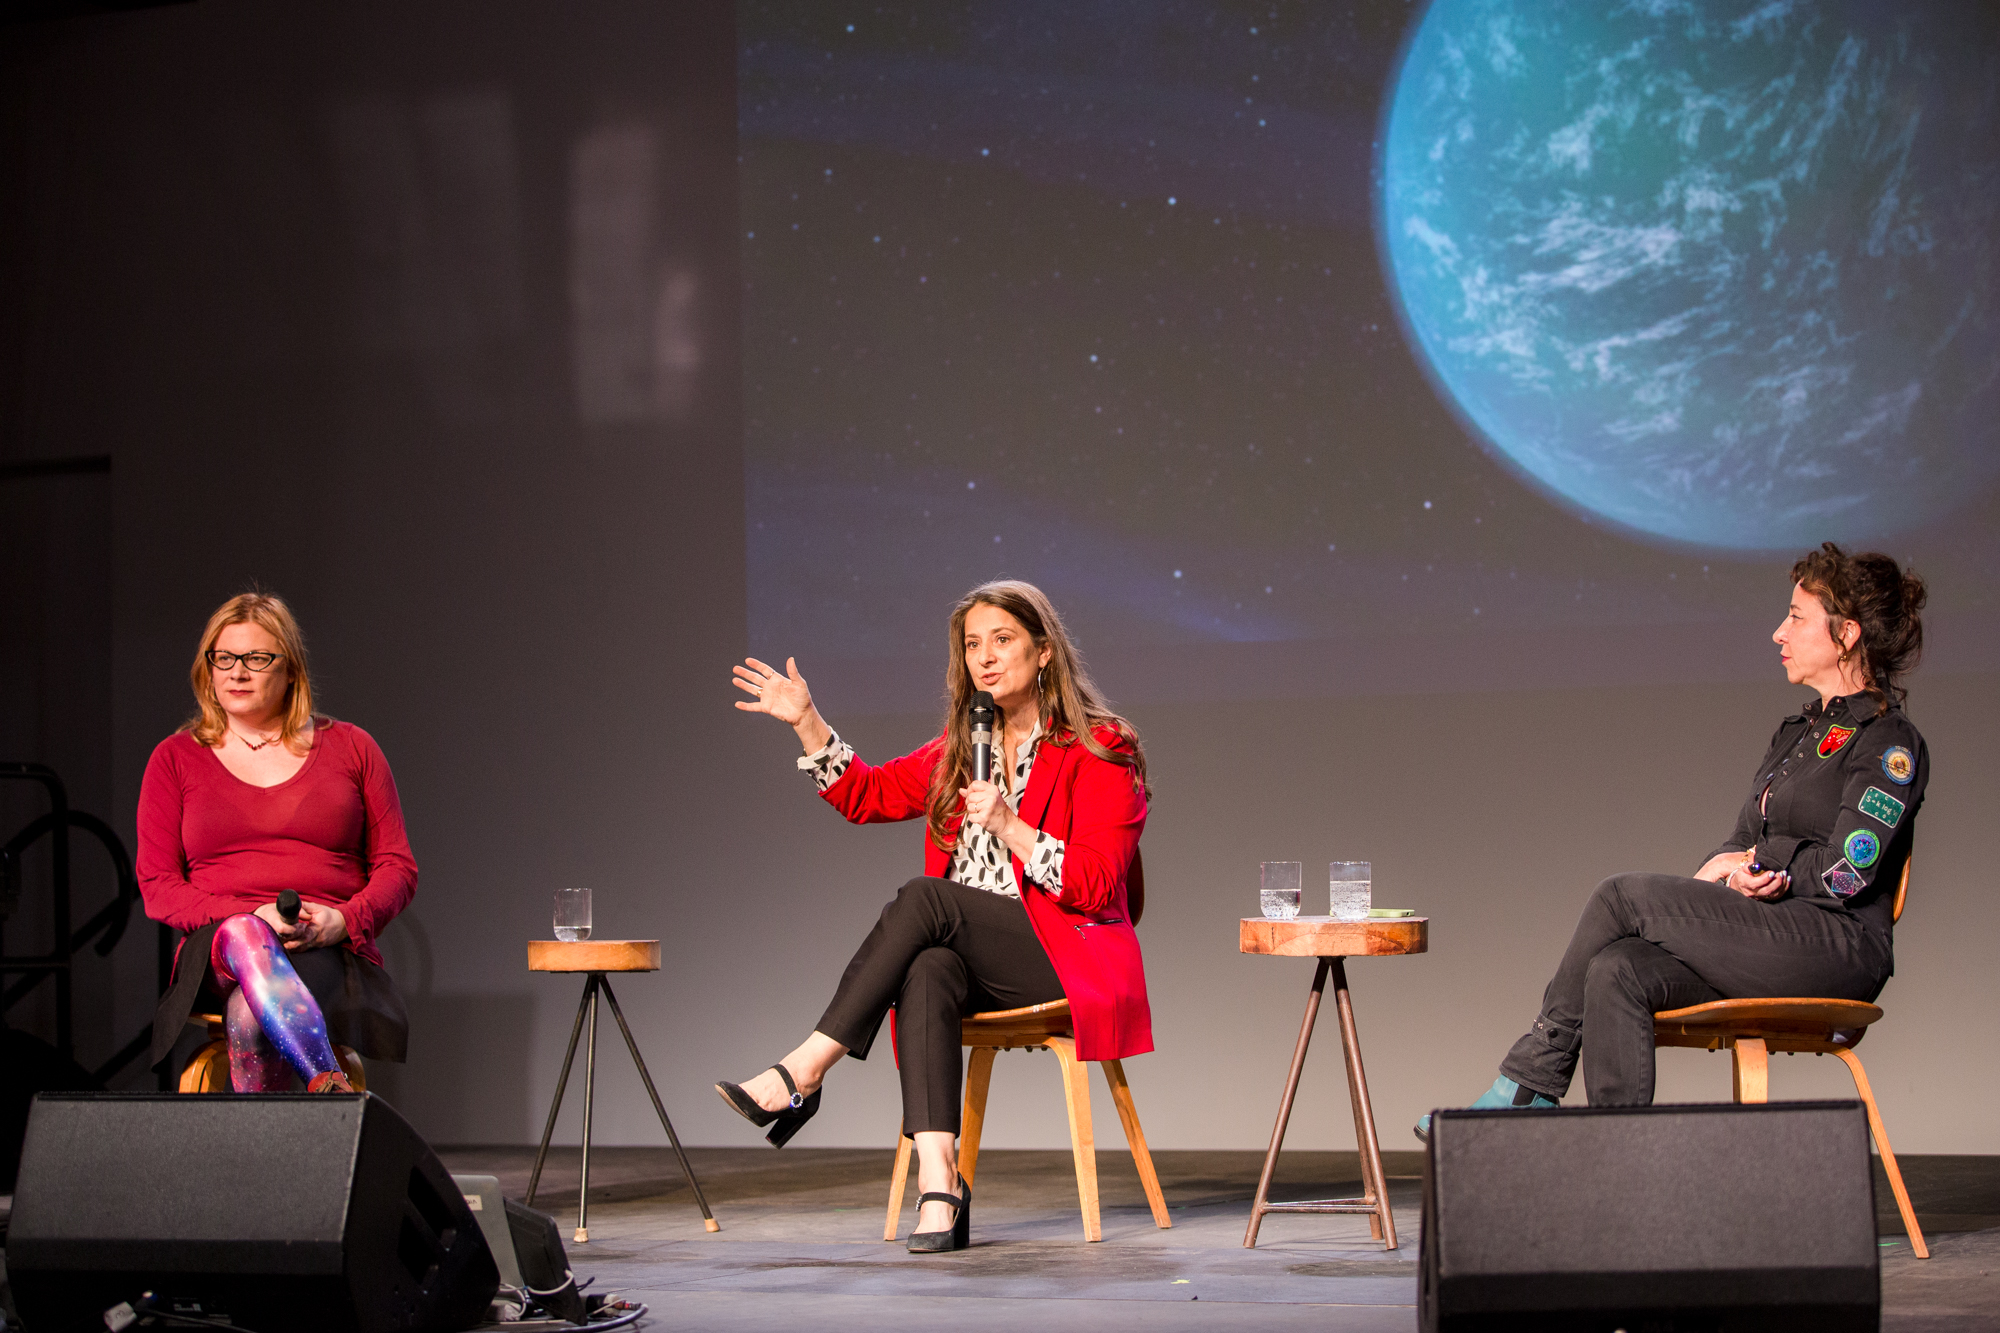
(593,955)
(1324,937)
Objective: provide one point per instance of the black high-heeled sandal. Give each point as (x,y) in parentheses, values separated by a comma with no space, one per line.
(960,1235)
(790,1119)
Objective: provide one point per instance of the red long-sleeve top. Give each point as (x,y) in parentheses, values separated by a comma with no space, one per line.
(212,845)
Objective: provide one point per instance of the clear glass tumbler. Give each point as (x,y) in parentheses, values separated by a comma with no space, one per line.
(572,914)
(1351,890)
(1280,888)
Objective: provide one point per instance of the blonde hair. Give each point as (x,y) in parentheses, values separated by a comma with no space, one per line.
(210,724)
(1071,707)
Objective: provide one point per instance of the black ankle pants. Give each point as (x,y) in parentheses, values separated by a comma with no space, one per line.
(1652,942)
(939,951)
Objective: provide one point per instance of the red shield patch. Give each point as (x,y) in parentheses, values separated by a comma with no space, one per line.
(1835,737)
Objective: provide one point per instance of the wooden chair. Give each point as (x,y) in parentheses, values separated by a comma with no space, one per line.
(1751,1029)
(1048,1026)
(208,1068)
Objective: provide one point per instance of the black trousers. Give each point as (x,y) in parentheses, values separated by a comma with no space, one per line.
(1652,942)
(939,952)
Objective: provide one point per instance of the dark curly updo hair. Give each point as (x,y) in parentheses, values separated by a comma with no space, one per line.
(1877,594)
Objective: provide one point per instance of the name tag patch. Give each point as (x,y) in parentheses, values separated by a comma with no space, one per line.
(1863,848)
(1899,765)
(1880,805)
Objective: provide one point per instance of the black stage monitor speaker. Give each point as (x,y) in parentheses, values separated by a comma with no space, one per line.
(278,1213)
(1661,1219)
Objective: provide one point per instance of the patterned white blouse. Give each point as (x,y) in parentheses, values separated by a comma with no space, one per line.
(982,861)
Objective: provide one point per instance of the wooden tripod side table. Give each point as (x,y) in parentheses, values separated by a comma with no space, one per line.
(1331,942)
(596,958)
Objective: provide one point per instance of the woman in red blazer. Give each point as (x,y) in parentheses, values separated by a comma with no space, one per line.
(1022,899)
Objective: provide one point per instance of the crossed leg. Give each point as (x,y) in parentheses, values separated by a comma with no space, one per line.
(275,1025)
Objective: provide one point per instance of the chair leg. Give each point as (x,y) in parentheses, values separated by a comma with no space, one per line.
(208,1069)
(350,1064)
(978,1078)
(1889,1167)
(899,1179)
(1076,1094)
(1135,1138)
(1750,1070)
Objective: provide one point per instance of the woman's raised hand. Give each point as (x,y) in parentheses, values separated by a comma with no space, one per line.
(785,696)
(782,694)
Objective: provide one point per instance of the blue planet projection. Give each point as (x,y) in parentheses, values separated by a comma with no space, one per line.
(1724,274)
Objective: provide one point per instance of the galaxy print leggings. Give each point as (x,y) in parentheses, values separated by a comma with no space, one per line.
(275,1025)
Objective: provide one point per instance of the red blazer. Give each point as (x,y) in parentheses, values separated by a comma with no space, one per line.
(1094,807)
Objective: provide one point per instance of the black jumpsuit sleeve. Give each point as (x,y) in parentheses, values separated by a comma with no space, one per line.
(1883,779)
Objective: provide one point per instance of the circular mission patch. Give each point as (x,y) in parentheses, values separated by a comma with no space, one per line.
(1899,765)
(1863,848)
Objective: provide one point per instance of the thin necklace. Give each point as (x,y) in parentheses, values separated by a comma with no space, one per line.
(255,745)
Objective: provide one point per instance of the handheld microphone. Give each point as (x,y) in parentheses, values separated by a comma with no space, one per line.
(982,737)
(288,906)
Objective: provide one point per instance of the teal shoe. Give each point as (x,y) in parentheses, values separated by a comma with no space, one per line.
(1504,1094)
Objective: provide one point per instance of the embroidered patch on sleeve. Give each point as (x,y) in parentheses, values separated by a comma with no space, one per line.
(1899,764)
(1829,744)
(1863,848)
(1880,805)
(1841,881)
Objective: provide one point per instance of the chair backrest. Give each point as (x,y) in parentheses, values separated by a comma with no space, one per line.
(1902,889)
(1135,887)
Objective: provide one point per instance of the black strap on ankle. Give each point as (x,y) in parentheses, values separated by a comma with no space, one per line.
(791,1087)
(939,1196)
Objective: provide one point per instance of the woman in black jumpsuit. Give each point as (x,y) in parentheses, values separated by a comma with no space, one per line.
(1798,899)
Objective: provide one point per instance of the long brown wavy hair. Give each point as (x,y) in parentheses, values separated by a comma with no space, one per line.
(210,724)
(1072,708)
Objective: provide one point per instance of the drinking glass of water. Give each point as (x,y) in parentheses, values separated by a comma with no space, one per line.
(1280,889)
(1351,890)
(572,914)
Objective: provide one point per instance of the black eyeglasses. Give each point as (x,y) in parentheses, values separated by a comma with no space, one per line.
(222,661)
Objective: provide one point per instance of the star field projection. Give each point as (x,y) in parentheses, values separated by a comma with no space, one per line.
(1090,295)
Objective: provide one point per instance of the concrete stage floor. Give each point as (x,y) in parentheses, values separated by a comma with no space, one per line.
(801,1243)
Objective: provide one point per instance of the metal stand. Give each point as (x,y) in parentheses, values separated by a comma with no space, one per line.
(587,1006)
(1374,1199)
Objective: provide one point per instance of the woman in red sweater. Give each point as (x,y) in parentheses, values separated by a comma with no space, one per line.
(1023,897)
(257,794)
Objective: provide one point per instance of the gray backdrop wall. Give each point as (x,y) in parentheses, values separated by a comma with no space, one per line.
(426,317)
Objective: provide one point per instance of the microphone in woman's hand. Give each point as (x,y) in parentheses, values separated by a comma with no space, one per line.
(288,906)
(982,736)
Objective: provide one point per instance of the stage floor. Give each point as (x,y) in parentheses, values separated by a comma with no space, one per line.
(801,1245)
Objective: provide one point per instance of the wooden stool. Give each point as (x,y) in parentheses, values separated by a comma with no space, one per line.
(1331,941)
(208,1068)
(1039,1025)
(597,957)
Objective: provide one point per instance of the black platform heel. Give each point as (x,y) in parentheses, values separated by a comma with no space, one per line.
(790,1119)
(960,1235)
